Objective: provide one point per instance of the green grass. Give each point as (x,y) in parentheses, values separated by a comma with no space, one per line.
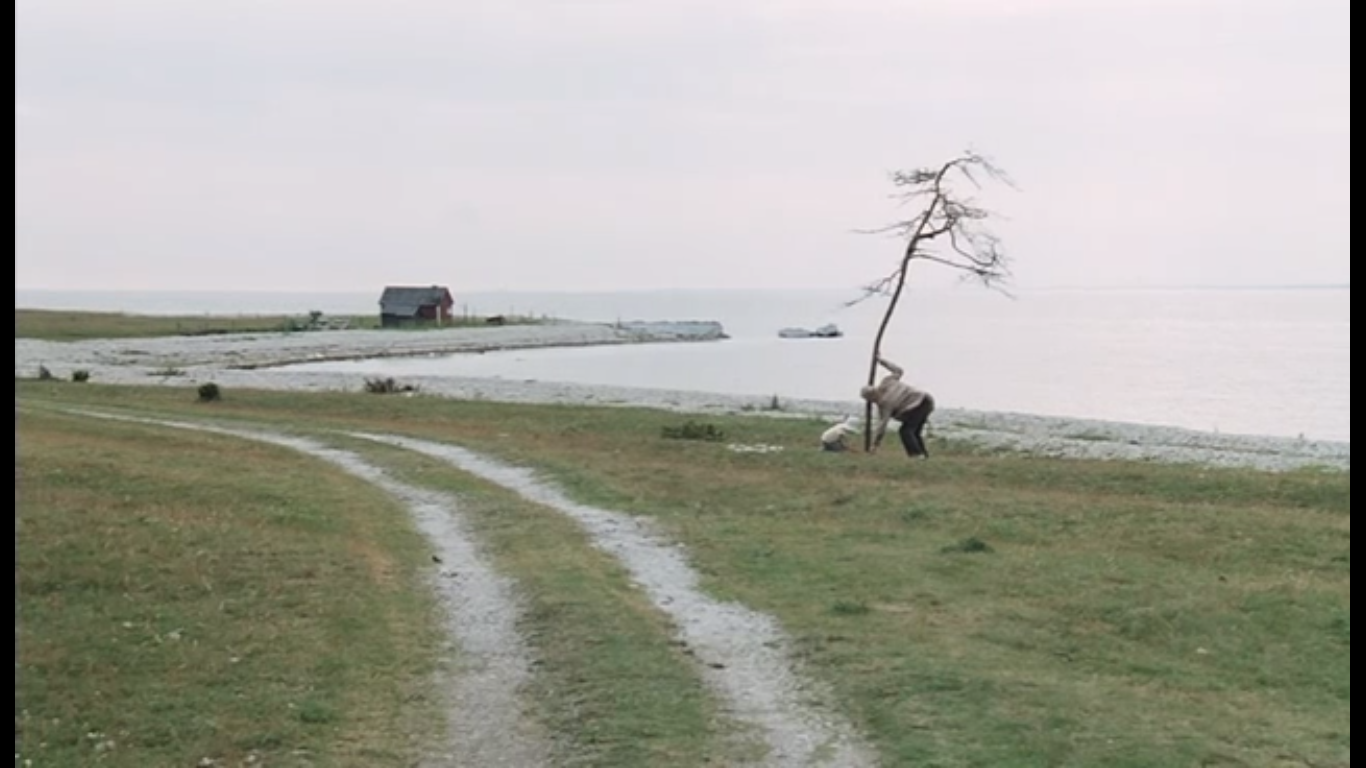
(174,611)
(63,325)
(1121,614)
(968,610)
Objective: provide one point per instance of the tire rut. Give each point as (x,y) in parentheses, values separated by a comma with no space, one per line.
(743,654)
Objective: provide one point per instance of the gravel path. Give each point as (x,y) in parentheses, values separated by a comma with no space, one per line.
(486,719)
(244,360)
(743,655)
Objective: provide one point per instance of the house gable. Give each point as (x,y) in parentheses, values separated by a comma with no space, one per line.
(410,301)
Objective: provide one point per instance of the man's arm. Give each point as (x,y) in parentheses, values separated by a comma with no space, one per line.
(883,418)
(891,367)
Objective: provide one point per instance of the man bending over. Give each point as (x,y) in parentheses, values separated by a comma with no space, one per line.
(895,399)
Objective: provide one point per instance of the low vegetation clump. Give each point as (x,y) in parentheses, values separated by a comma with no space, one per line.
(692,430)
(969,546)
(387,386)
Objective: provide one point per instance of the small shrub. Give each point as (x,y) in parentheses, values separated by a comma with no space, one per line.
(968,546)
(921,511)
(316,713)
(774,404)
(44,374)
(168,372)
(387,386)
(850,608)
(913,516)
(80,377)
(209,393)
(1343,628)
(693,430)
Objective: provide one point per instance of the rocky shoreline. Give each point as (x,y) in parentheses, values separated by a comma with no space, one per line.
(253,360)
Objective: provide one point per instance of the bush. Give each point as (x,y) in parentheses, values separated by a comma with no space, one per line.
(387,386)
(850,608)
(968,546)
(44,374)
(692,430)
(80,377)
(209,393)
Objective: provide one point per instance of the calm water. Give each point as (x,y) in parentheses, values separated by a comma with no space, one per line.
(1274,362)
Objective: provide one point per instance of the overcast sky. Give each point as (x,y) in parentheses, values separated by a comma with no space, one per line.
(611,144)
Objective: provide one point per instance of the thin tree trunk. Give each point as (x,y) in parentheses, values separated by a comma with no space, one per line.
(887,317)
(877,352)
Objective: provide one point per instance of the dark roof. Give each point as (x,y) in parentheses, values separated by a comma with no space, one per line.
(407,300)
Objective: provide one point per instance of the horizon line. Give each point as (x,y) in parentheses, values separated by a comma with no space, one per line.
(666,289)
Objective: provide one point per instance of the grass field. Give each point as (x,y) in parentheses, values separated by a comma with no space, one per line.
(970,610)
(174,611)
(63,325)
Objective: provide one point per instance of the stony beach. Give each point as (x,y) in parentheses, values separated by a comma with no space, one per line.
(255,360)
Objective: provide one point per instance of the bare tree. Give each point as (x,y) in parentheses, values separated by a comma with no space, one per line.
(949,230)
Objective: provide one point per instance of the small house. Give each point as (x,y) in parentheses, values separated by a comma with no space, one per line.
(411,305)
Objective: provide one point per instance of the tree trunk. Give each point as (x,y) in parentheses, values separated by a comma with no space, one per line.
(891,309)
(877,345)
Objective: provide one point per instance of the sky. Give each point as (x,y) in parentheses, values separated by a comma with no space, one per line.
(339,145)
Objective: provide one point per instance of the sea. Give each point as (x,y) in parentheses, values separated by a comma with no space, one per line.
(1265,361)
